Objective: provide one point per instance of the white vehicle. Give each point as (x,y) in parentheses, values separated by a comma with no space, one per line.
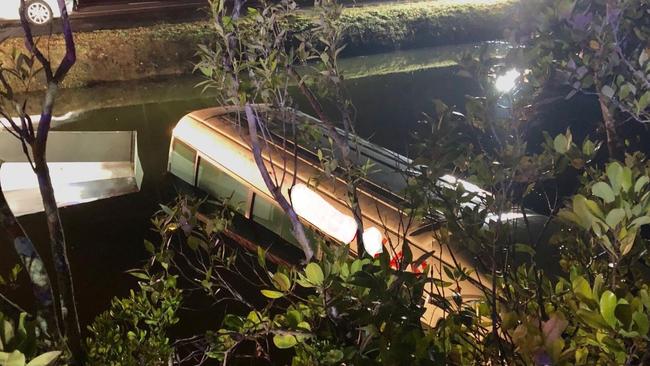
(38,12)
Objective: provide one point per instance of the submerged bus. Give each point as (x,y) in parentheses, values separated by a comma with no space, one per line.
(210,151)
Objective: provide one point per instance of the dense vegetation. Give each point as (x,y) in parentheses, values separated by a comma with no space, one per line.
(571,289)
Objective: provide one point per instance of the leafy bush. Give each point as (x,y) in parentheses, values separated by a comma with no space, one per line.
(19,341)
(353,308)
(134,330)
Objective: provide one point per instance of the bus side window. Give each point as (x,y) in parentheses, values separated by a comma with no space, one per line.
(181,161)
(272,217)
(222,186)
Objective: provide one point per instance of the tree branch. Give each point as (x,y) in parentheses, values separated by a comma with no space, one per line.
(34,266)
(298,229)
(71,328)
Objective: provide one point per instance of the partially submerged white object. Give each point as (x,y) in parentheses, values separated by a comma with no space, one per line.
(84,167)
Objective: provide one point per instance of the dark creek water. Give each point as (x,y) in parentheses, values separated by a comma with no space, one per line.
(390,93)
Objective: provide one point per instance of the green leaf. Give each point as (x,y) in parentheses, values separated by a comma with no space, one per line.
(284,341)
(149,247)
(591,318)
(255,317)
(271,294)
(626,179)
(627,242)
(281,282)
(583,214)
(167,210)
(640,183)
(645,298)
(641,321)
(614,217)
(640,221)
(314,274)
(581,355)
(604,240)
(588,147)
(345,271)
(356,266)
(608,91)
(333,356)
(304,325)
(561,144)
(604,191)
(643,102)
(581,288)
(46,359)
(261,257)
(594,208)
(598,284)
(15,358)
(615,175)
(626,90)
(302,281)
(608,302)
(140,275)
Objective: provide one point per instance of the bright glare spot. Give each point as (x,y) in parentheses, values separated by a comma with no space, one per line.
(312,207)
(470,187)
(508,216)
(507,81)
(372,241)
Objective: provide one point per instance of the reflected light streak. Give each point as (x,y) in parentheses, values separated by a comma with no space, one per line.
(504,217)
(17,176)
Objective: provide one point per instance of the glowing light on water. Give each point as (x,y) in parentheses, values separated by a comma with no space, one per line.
(506,82)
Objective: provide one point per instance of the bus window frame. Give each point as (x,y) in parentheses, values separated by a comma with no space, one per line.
(197,153)
(252,191)
(255,192)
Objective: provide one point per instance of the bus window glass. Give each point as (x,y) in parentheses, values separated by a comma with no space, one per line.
(272,217)
(182,161)
(222,186)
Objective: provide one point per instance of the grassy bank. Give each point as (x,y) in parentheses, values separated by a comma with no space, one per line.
(169,49)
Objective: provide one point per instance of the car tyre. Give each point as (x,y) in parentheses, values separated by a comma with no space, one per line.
(38,12)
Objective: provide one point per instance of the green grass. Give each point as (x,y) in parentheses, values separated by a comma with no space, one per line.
(169,49)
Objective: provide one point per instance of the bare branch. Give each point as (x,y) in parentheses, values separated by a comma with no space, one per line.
(34,266)
(298,229)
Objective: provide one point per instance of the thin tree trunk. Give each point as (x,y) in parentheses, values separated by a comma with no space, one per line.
(344,149)
(59,256)
(38,143)
(35,268)
(614,143)
(298,228)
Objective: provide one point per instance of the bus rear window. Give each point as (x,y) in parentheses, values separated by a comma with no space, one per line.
(181,161)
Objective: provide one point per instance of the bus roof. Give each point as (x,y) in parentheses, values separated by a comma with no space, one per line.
(387,177)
